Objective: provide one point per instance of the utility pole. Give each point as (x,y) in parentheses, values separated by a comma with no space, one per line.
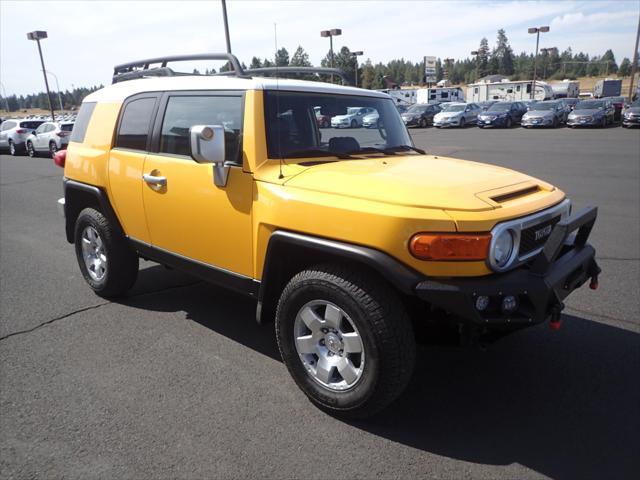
(226,25)
(537,31)
(634,63)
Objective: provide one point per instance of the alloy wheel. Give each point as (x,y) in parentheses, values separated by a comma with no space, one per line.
(94,254)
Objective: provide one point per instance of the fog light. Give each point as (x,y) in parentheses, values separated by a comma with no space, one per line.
(509,304)
(482,302)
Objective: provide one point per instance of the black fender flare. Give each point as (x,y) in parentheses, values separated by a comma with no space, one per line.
(289,253)
(77,196)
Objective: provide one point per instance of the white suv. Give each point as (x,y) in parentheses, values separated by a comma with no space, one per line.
(49,137)
(14,132)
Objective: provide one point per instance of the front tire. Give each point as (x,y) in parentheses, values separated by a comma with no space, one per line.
(13,151)
(53,148)
(30,150)
(509,122)
(423,123)
(106,261)
(346,340)
(354,124)
(462,122)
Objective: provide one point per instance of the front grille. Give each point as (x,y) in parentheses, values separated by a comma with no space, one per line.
(528,241)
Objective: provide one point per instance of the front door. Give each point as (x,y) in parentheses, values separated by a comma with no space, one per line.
(189,215)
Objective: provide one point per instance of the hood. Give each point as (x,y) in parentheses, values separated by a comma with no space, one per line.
(371,116)
(342,117)
(423,181)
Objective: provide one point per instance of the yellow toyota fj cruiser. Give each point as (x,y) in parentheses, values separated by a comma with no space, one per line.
(348,239)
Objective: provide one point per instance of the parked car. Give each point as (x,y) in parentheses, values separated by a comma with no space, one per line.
(486,104)
(371,120)
(457,115)
(549,113)
(352,119)
(401,108)
(528,103)
(598,113)
(14,133)
(618,103)
(420,115)
(344,255)
(631,114)
(49,137)
(502,114)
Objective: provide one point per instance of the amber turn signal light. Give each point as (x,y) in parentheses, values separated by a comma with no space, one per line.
(450,246)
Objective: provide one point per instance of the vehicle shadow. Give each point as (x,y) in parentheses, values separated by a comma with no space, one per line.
(564,404)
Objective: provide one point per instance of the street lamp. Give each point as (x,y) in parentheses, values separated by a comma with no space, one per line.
(477,54)
(537,31)
(334,32)
(37,36)
(356,55)
(57,88)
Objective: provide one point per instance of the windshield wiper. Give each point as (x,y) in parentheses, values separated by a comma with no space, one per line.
(372,150)
(404,148)
(316,153)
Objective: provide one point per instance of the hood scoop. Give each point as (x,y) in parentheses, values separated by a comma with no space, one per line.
(523,192)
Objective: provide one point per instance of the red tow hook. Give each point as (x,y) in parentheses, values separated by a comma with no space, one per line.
(556,321)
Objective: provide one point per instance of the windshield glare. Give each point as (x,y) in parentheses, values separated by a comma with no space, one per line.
(589,105)
(292,128)
(499,107)
(544,106)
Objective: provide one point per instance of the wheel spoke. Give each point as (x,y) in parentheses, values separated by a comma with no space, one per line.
(306,344)
(310,319)
(333,316)
(352,342)
(323,370)
(347,370)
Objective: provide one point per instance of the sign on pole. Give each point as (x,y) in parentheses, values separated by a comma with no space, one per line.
(430,69)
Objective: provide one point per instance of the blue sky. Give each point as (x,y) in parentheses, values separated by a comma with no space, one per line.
(86,38)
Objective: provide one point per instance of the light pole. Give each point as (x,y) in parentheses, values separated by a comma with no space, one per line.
(37,36)
(537,31)
(334,32)
(634,62)
(356,55)
(477,54)
(57,87)
(226,25)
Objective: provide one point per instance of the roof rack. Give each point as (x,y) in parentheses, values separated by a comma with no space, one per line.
(283,71)
(141,68)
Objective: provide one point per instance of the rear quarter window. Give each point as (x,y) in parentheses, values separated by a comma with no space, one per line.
(82,121)
(135,124)
(66,127)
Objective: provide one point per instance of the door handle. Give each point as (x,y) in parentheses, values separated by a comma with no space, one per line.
(155,180)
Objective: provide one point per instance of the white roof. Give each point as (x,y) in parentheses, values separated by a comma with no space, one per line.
(121,90)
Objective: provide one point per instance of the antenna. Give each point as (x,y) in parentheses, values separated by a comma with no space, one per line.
(275,41)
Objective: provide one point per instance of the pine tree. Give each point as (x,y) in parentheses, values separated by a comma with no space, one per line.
(255,63)
(625,68)
(483,57)
(609,57)
(300,58)
(282,58)
(504,54)
(368,75)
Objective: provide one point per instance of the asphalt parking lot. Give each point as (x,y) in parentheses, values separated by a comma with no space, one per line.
(177,380)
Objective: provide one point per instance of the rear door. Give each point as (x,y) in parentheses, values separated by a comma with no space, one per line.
(190,216)
(126,162)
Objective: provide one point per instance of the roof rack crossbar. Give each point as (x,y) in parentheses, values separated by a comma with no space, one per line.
(144,69)
(283,71)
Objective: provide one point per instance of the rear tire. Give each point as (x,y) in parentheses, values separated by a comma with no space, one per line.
(106,261)
(346,340)
(423,123)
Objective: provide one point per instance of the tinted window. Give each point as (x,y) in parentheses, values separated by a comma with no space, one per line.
(135,123)
(184,112)
(66,127)
(30,125)
(82,121)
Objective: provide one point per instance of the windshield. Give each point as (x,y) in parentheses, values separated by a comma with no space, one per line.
(454,107)
(417,109)
(590,105)
(544,106)
(499,107)
(293,132)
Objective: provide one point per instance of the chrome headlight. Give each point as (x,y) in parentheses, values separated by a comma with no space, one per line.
(502,249)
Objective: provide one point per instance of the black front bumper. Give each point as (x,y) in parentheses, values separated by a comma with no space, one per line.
(540,286)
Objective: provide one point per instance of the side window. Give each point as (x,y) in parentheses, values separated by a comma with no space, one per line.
(50,128)
(528,88)
(41,128)
(183,112)
(517,88)
(82,121)
(134,124)
(7,125)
